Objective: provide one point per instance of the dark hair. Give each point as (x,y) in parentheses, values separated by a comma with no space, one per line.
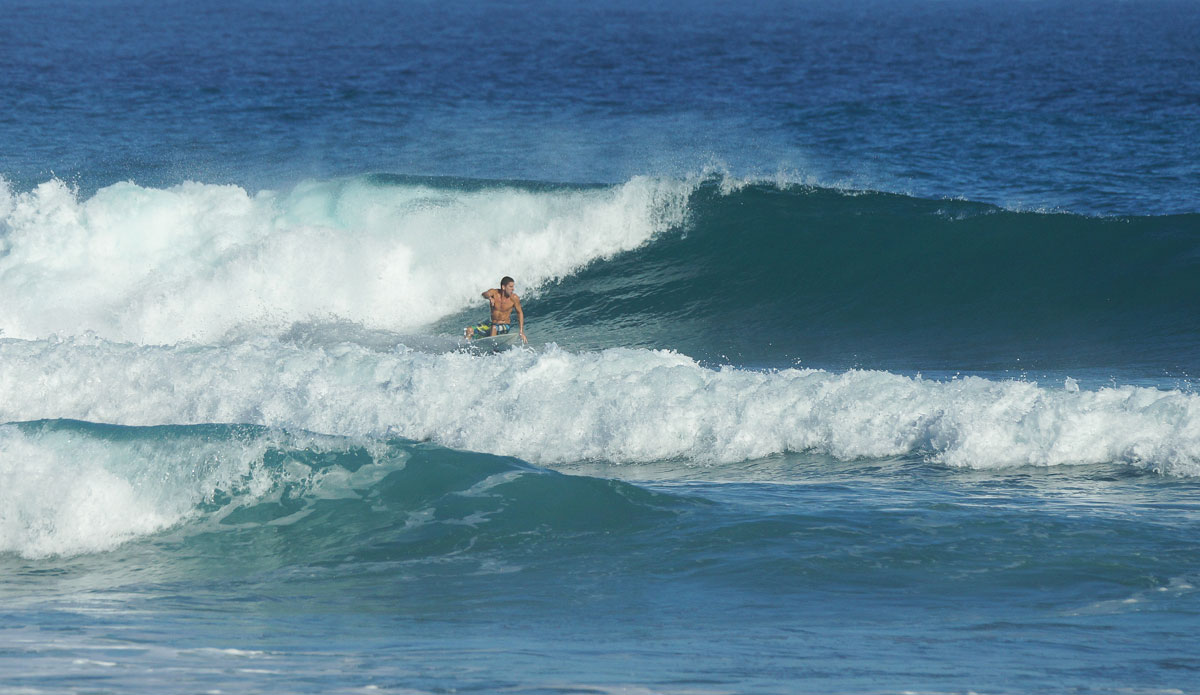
(505,280)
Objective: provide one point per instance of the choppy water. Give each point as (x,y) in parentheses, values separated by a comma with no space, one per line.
(862,351)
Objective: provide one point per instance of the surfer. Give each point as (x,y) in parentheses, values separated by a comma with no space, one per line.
(503,301)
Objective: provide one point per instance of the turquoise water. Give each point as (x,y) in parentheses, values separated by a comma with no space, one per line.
(394,565)
(862,348)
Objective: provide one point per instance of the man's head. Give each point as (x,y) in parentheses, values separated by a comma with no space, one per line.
(507,285)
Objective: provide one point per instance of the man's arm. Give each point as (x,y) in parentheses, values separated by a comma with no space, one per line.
(520,318)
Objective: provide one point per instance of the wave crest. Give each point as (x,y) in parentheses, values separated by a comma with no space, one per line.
(192,262)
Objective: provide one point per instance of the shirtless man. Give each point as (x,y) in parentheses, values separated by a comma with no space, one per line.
(503,301)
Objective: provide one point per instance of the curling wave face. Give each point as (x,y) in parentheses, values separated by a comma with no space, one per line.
(733,271)
(73,488)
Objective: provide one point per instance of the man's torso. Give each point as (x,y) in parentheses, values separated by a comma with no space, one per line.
(502,307)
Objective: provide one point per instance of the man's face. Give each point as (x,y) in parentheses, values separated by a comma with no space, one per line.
(508,288)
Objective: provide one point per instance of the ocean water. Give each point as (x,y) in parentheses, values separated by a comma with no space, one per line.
(863,347)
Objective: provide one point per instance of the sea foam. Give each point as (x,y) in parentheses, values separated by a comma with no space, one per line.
(619,405)
(192,262)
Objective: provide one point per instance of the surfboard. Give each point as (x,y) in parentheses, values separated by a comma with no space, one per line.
(496,343)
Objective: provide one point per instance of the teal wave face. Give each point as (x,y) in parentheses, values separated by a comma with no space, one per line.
(393,524)
(769,275)
(77,488)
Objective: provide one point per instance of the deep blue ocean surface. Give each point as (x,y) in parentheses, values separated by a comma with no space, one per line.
(863,347)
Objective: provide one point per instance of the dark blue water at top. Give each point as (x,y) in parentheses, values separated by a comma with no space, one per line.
(1090,107)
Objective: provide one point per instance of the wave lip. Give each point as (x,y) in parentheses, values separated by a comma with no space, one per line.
(194,261)
(53,504)
(70,488)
